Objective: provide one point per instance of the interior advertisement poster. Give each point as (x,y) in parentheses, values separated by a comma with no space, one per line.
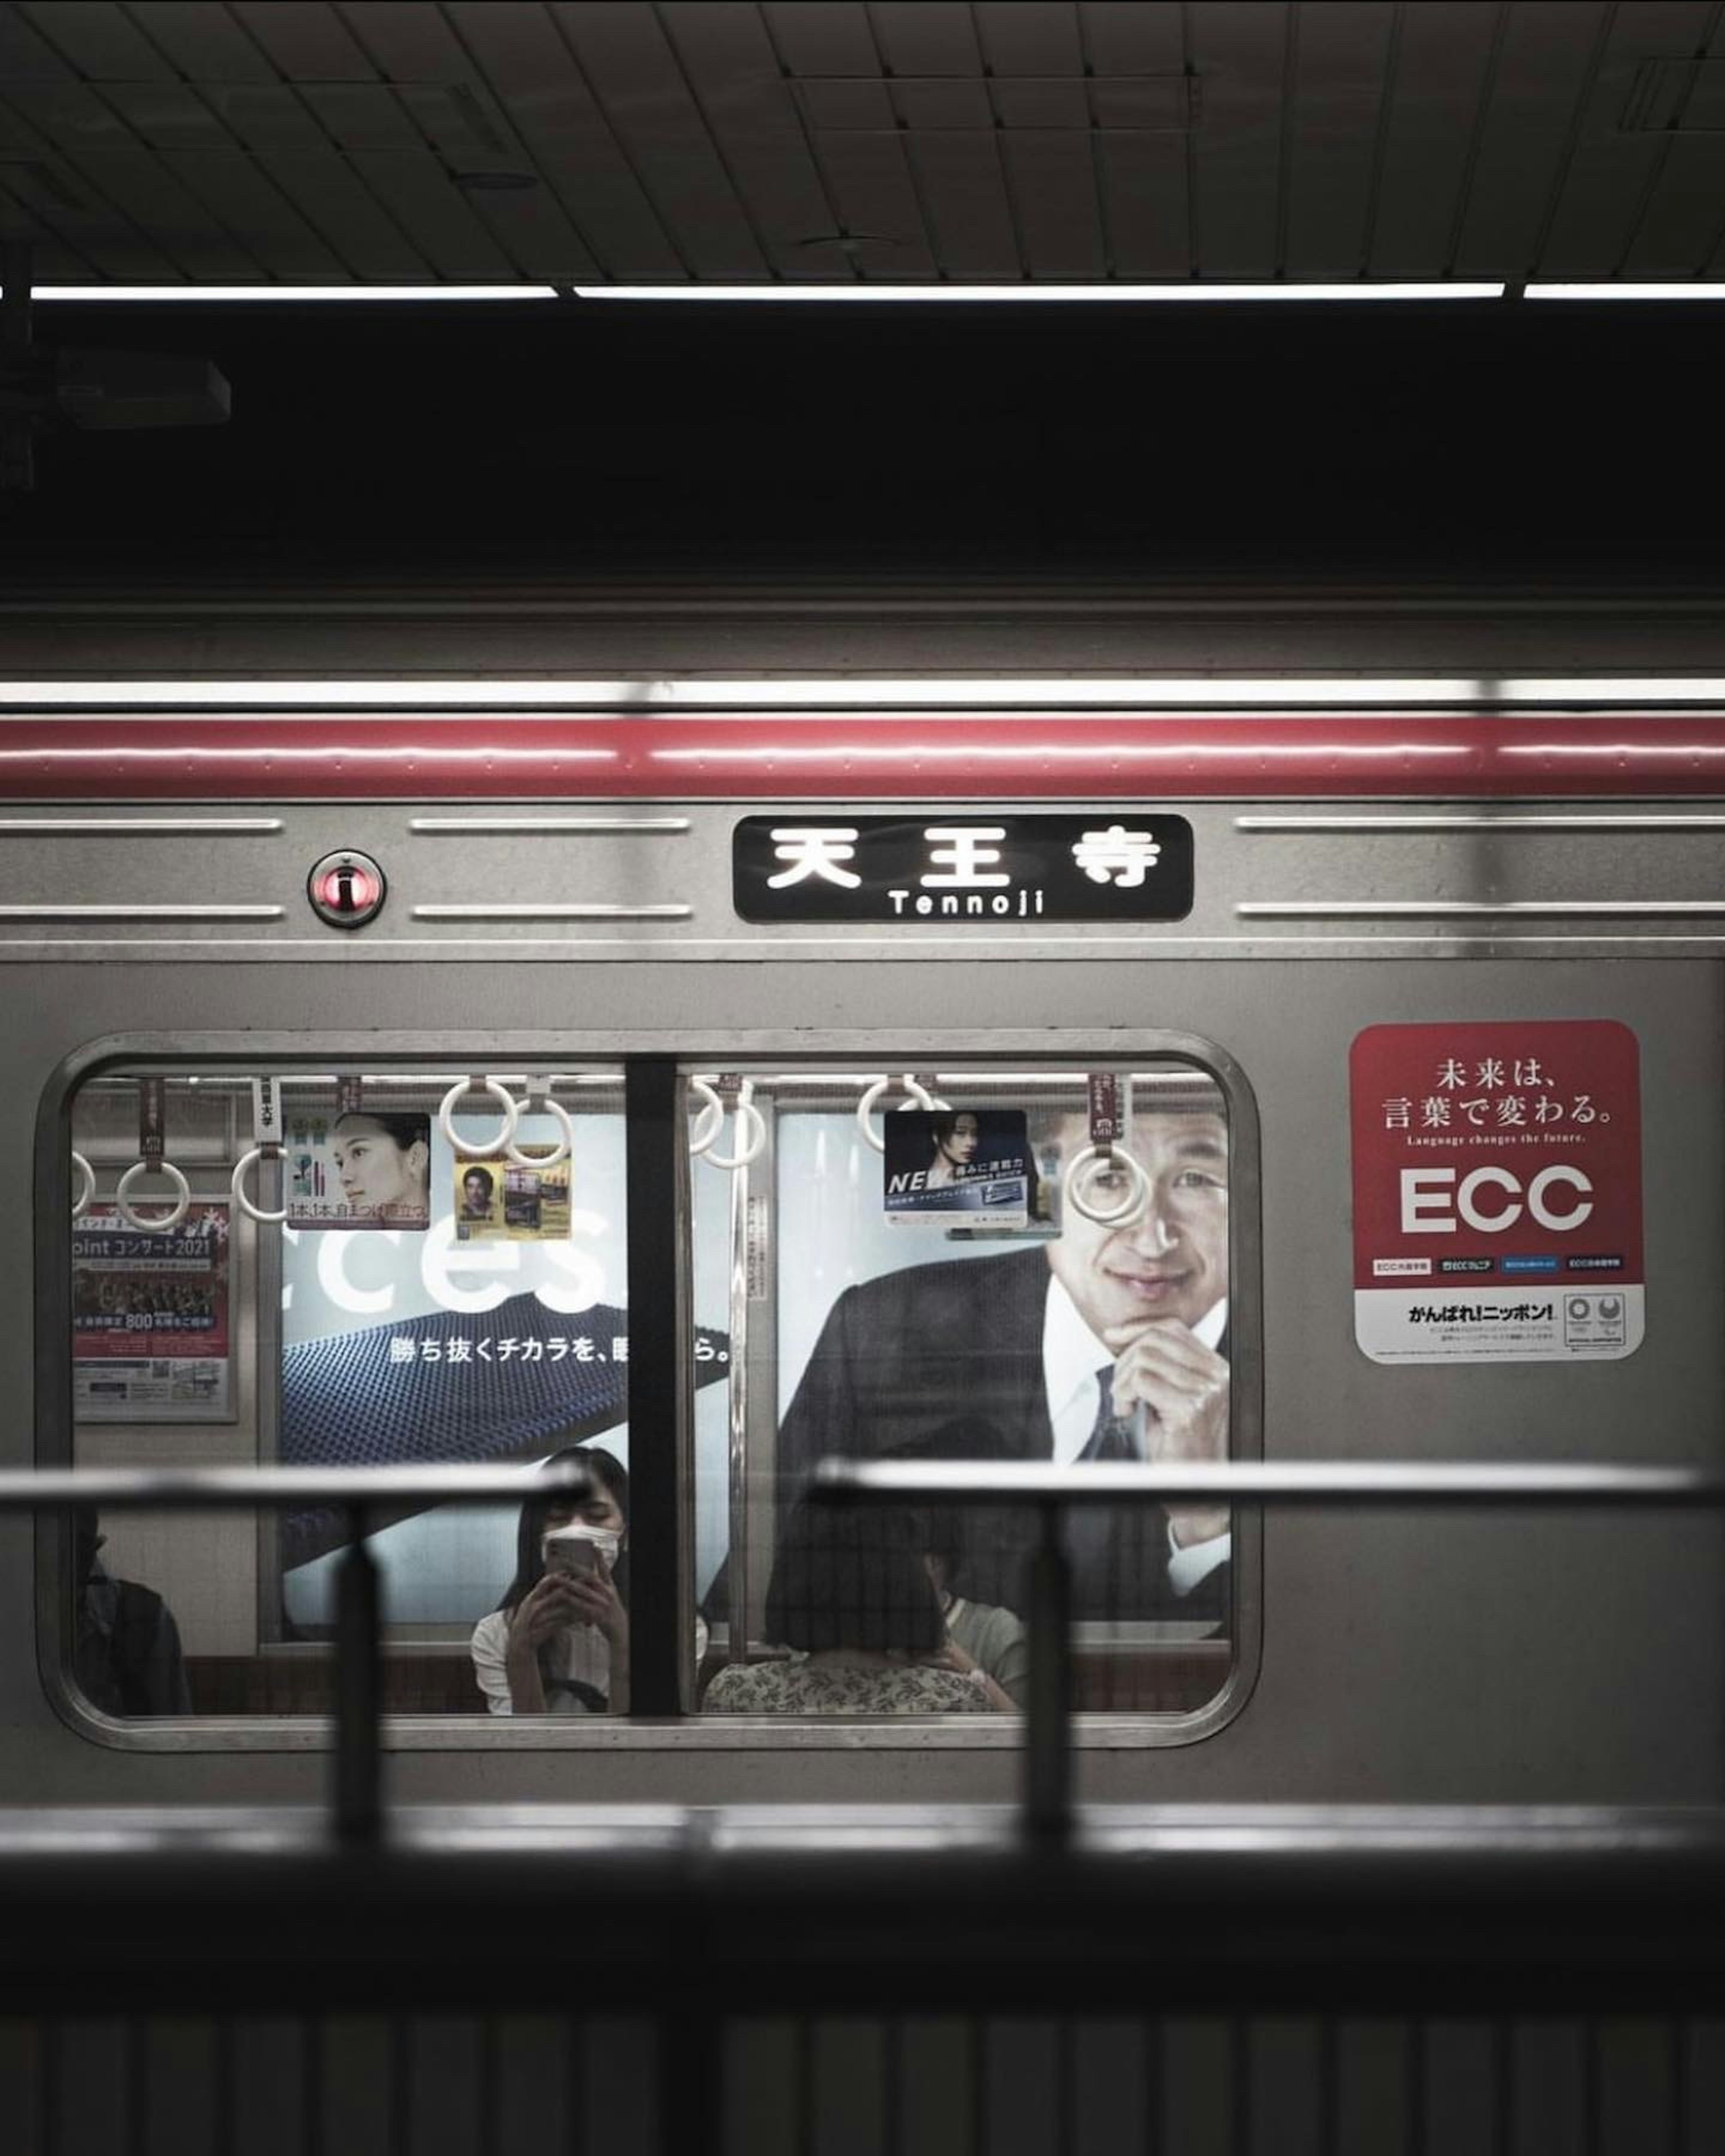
(1497,1191)
(150,1319)
(358,1168)
(498,1201)
(970,1165)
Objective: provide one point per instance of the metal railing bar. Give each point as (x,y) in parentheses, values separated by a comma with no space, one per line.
(1047,1767)
(1347,1483)
(358,1789)
(1354,1485)
(226,1489)
(359,1687)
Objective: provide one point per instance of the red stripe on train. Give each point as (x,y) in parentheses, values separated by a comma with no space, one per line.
(917,756)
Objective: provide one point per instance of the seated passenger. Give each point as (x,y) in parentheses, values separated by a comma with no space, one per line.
(558,1641)
(982,1635)
(126,1652)
(851,1592)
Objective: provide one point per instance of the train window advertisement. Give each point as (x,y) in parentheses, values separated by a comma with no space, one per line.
(1090,1324)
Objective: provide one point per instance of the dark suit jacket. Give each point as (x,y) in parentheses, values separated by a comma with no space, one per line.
(945,1361)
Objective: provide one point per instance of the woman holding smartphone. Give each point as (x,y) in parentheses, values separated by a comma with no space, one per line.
(558,1641)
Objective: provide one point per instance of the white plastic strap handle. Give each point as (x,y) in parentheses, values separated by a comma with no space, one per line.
(505,1129)
(266,1135)
(1092,1164)
(710,1122)
(921,1097)
(86,1190)
(751,1123)
(255,1212)
(535,1103)
(160,1223)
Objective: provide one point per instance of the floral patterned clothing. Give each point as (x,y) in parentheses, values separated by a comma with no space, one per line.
(803,1686)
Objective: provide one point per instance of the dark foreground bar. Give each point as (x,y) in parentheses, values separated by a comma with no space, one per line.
(1190,1910)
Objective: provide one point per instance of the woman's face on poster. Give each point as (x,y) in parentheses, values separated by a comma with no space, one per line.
(959,1145)
(376,1173)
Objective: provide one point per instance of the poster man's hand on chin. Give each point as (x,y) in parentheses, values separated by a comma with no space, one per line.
(1182,1385)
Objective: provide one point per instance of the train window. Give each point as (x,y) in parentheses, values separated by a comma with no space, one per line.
(947,1266)
(335,1267)
(394,1277)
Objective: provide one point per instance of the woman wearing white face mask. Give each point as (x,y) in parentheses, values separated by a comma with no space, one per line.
(558,1641)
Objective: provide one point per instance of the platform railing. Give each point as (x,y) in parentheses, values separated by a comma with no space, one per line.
(361,1493)
(1350,1484)
(1047,1814)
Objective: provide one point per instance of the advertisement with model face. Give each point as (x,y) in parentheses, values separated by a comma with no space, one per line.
(956,1163)
(364,1167)
(1105,1340)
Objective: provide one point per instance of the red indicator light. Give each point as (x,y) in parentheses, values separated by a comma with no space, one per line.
(346,890)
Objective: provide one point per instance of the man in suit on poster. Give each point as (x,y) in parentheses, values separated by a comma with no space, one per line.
(1045,1355)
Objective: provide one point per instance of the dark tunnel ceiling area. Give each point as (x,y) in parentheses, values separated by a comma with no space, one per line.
(1476,440)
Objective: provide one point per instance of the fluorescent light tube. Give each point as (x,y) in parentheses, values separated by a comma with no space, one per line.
(1715,290)
(854,692)
(1014,295)
(221,295)
(1037,294)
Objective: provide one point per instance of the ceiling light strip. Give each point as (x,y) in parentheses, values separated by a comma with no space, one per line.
(249,295)
(1694,290)
(1251,294)
(1038,294)
(813,692)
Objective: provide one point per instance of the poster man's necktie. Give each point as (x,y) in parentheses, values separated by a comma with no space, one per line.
(1112,1437)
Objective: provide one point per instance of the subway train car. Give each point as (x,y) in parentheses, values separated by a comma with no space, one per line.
(893,1027)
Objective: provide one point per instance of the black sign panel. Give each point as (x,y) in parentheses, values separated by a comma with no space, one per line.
(1124,864)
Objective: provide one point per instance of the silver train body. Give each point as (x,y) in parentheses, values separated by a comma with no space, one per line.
(156,908)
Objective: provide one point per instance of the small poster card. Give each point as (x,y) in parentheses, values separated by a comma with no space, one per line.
(499,1201)
(968,1164)
(362,1168)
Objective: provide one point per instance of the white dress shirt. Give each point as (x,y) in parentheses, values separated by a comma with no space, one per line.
(1073,1357)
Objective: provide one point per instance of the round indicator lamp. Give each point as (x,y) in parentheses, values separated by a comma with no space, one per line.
(346,890)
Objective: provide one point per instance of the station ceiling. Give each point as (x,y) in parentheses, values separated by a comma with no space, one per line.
(724,142)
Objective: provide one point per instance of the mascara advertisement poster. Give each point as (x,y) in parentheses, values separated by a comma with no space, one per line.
(361,1168)
(968,1164)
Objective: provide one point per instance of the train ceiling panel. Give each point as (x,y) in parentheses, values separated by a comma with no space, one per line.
(1048,141)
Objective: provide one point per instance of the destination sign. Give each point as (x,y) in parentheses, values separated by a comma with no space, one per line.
(938,869)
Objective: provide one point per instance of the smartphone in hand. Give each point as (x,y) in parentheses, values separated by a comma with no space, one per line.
(567,1551)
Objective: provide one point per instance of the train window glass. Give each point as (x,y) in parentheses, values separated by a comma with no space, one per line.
(419,1303)
(868,1317)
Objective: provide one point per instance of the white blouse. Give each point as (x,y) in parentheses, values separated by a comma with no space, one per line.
(580,1655)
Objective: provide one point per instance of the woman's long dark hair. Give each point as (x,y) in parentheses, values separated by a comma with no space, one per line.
(852,1576)
(610,1473)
